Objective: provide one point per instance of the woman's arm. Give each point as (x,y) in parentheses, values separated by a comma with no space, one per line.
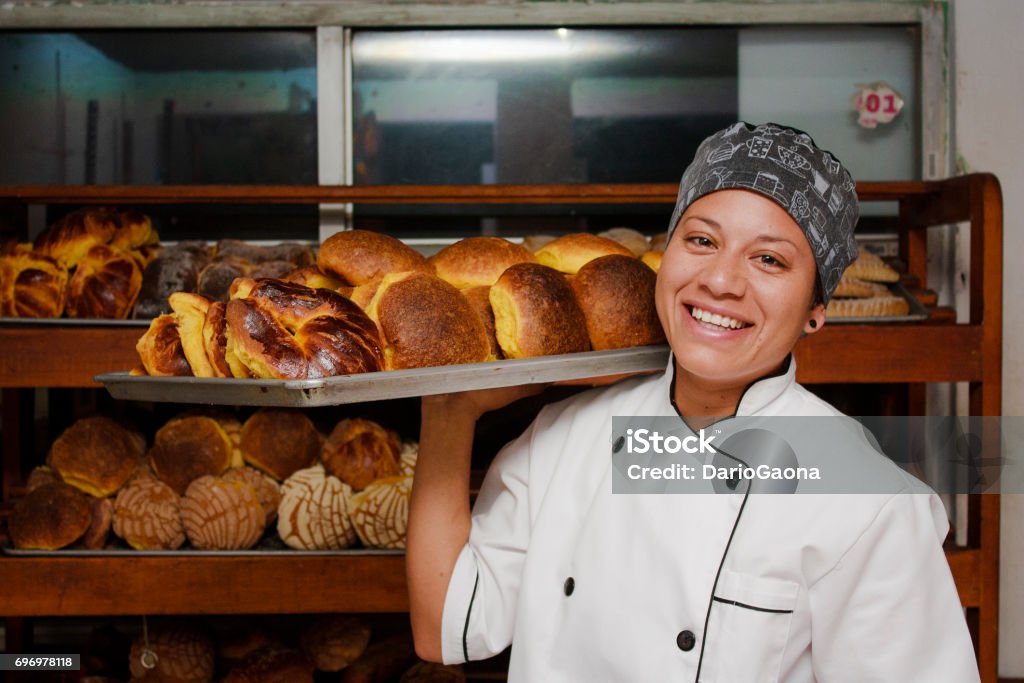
(439,513)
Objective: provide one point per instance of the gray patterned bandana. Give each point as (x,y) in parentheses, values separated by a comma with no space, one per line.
(786,166)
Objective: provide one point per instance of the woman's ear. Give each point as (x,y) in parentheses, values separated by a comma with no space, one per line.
(816,319)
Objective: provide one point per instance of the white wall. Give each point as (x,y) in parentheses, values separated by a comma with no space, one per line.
(988,60)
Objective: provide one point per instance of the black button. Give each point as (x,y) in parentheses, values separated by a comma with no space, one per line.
(686,640)
(569,586)
(617,446)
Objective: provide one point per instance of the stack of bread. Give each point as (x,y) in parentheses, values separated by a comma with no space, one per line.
(88,265)
(373,303)
(864,290)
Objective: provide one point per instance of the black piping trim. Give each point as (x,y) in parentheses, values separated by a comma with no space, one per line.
(469,610)
(753,607)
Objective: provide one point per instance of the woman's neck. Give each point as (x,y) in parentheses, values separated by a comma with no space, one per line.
(702,402)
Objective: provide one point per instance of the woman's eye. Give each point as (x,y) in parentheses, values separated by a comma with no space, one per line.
(769,260)
(700,241)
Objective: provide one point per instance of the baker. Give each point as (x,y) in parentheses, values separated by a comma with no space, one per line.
(591,585)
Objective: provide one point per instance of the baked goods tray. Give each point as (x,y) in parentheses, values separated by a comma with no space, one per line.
(73,322)
(189,552)
(916,313)
(378,386)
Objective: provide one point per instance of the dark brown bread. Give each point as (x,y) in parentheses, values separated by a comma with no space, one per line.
(476,261)
(96,455)
(175,269)
(280,441)
(333,641)
(187,448)
(216,277)
(616,294)
(359,451)
(49,517)
(480,299)
(426,322)
(358,256)
(536,313)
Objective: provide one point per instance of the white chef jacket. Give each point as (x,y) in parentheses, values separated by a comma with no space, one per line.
(588,585)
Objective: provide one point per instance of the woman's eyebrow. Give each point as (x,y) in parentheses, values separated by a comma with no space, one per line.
(772,239)
(707,221)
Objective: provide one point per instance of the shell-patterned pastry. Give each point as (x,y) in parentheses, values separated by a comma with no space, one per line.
(176,654)
(221,514)
(268,490)
(407,458)
(313,514)
(147,515)
(380,512)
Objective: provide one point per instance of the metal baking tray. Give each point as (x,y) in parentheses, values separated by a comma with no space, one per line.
(378,386)
(73,322)
(917,312)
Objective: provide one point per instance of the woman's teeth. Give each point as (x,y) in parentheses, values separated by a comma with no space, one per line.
(716,319)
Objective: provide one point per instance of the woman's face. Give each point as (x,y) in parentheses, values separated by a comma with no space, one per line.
(735,288)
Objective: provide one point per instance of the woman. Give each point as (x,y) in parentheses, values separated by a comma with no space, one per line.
(588,585)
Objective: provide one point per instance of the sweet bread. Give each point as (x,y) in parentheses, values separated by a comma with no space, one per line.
(68,240)
(222,514)
(653,259)
(357,257)
(480,300)
(190,311)
(272,664)
(333,641)
(279,441)
(313,514)
(147,515)
(872,268)
(32,286)
(854,288)
(536,313)
(282,330)
(160,349)
(380,512)
(96,455)
(215,342)
(183,655)
(478,261)
(878,306)
(49,517)
(187,448)
(629,238)
(359,451)
(569,253)
(106,284)
(616,295)
(267,490)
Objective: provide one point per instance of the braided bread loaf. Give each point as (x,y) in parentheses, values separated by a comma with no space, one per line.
(282,330)
(32,286)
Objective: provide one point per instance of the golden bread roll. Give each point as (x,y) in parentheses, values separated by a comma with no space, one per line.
(187,448)
(160,349)
(49,517)
(181,655)
(312,276)
(282,330)
(536,313)
(872,268)
(874,307)
(215,343)
(68,240)
(432,672)
(39,476)
(95,537)
(333,641)
(272,664)
(851,287)
(147,515)
(616,294)
(477,261)
(105,284)
(32,286)
(653,259)
(569,253)
(358,256)
(134,231)
(267,490)
(629,238)
(358,451)
(220,514)
(380,512)
(426,322)
(189,311)
(480,299)
(313,514)
(534,242)
(96,455)
(279,441)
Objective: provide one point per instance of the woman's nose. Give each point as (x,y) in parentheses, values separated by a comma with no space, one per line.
(724,276)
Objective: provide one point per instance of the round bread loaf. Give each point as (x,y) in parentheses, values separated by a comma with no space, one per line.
(480,299)
(536,313)
(216,277)
(32,286)
(272,664)
(282,330)
(476,261)
(358,256)
(616,294)
(49,517)
(653,259)
(333,641)
(43,474)
(280,441)
(380,512)
(187,448)
(358,451)
(569,253)
(68,240)
(160,349)
(313,514)
(96,455)
(219,514)
(177,654)
(105,284)
(629,238)
(426,322)
(147,515)
(267,490)
(190,311)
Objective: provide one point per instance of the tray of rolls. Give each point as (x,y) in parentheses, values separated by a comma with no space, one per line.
(375,319)
(870,292)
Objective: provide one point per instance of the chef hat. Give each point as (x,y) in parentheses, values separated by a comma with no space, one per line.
(786,166)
